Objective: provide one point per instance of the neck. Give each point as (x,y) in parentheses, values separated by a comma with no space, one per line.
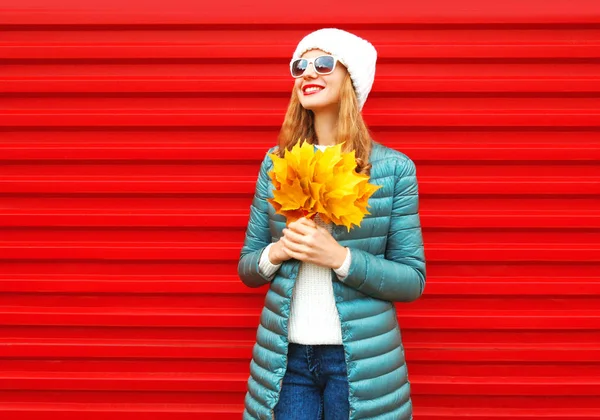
(325,127)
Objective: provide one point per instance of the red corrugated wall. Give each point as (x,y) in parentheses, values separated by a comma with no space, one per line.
(131,137)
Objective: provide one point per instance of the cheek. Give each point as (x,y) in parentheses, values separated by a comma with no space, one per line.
(335,85)
(335,90)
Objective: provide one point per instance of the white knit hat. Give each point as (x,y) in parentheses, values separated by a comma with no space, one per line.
(357,54)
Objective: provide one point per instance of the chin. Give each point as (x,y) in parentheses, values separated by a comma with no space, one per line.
(313,106)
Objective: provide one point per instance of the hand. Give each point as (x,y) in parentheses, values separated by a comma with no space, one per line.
(304,240)
(277,254)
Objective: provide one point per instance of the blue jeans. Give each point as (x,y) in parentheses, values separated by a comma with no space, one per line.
(315,384)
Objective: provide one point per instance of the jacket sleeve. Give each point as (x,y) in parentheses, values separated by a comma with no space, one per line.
(258,235)
(400,276)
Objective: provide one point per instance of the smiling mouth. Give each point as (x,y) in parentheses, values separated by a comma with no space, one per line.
(311,90)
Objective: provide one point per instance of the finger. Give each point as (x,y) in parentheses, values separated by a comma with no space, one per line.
(292,253)
(308,222)
(293,236)
(303,229)
(293,246)
(288,251)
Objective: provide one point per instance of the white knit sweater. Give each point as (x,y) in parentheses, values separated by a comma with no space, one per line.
(314,318)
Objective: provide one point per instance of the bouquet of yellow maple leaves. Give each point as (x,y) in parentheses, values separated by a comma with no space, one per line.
(307,182)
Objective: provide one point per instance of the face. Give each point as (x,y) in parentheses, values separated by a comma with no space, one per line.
(319,92)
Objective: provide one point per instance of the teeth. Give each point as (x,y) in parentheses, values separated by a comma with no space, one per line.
(312,89)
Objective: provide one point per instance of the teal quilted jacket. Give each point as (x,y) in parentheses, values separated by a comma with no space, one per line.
(387,265)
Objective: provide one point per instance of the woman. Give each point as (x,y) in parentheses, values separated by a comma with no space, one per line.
(328,344)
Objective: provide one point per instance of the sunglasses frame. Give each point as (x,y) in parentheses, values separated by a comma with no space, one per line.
(312,61)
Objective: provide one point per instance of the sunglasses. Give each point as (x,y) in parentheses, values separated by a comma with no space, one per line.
(323,64)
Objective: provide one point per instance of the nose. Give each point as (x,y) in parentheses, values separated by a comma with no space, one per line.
(310,70)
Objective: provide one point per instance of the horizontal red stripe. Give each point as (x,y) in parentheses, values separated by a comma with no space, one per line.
(230,317)
(224,184)
(174,151)
(165,251)
(239,219)
(472,353)
(231,284)
(180,381)
(273,12)
(281,84)
(274,118)
(165,50)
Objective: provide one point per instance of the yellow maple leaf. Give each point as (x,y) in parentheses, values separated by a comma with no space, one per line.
(307,182)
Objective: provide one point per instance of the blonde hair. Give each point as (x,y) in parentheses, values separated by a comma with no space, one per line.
(298,125)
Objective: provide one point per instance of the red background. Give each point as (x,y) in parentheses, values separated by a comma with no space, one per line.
(130,139)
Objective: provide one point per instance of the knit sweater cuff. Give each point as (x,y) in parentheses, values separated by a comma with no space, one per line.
(267,268)
(342,271)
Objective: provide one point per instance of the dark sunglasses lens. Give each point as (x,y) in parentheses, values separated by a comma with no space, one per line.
(324,64)
(299,66)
